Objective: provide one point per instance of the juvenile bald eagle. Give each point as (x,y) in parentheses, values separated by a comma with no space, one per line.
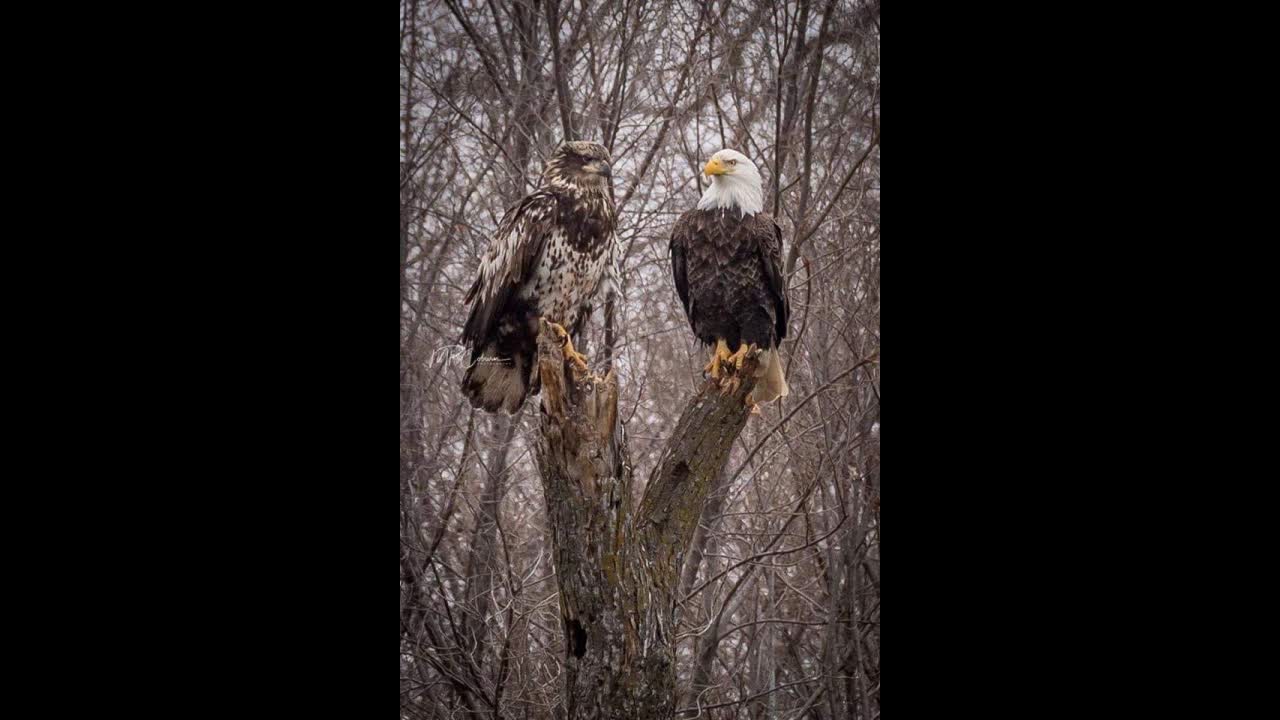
(547,259)
(726,258)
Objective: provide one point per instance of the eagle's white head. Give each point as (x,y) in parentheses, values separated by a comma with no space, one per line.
(735,183)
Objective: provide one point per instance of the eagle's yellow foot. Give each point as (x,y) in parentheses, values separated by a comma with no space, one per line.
(718,356)
(744,351)
(578,359)
(560,332)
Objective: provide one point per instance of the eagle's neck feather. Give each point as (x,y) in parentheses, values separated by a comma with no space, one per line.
(727,191)
(585,191)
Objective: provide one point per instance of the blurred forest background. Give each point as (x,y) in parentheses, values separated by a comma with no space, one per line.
(780,614)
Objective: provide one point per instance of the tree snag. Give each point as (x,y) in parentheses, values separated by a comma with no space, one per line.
(618,570)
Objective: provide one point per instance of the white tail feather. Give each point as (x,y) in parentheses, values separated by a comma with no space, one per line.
(771,384)
(492,385)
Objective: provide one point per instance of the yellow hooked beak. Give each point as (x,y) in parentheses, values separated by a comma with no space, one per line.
(715,167)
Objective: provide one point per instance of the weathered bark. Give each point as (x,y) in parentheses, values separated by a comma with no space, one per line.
(618,571)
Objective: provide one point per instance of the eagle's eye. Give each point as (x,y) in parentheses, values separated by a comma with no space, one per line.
(733,162)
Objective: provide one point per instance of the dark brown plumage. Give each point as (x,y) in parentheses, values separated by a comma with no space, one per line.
(726,259)
(728,273)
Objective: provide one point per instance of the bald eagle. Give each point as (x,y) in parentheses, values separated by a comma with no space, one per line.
(547,259)
(726,259)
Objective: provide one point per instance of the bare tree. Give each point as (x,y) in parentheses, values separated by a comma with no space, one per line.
(748,587)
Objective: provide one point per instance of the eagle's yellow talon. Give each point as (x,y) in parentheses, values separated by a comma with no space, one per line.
(741,355)
(560,332)
(573,356)
(730,385)
(579,360)
(718,356)
(713,367)
(570,354)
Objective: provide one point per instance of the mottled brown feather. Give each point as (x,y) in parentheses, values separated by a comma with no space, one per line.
(547,259)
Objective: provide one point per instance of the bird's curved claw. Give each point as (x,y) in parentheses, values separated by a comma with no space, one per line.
(730,385)
(715,368)
(744,351)
(578,359)
(570,354)
(560,332)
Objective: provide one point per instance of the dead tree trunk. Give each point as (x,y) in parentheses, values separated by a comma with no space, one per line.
(618,570)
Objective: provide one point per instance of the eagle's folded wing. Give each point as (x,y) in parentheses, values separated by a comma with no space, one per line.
(679,241)
(769,235)
(507,264)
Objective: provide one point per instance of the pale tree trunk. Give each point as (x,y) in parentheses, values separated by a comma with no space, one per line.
(618,568)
